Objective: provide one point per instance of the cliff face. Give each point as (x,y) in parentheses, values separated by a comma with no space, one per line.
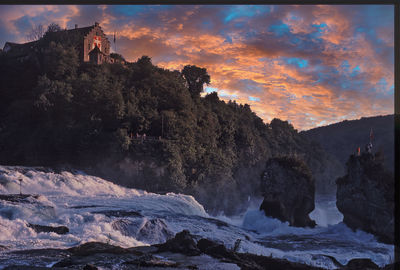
(288,190)
(365,196)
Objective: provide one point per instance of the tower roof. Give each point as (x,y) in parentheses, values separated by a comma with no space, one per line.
(95,50)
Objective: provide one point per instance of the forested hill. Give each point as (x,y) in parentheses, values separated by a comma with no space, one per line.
(56,111)
(343,138)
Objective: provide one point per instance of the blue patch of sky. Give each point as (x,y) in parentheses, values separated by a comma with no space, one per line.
(279,29)
(250,86)
(226,35)
(382,83)
(226,95)
(209,90)
(355,71)
(207,25)
(295,40)
(391,90)
(228,39)
(299,62)
(263,59)
(230,61)
(130,10)
(345,66)
(381,15)
(240,11)
(254,98)
(251,34)
(23,23)
(294,17)
(319,29)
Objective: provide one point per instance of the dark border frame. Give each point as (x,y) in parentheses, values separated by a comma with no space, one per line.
(396,22)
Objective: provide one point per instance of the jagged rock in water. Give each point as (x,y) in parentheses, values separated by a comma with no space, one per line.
(42,228)
(288,189)
(183,242)
(152,231)
(365,196)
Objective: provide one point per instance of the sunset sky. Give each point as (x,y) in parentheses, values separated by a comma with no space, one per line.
(311,65)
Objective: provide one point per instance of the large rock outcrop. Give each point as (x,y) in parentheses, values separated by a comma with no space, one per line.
(288,189)
(365,196)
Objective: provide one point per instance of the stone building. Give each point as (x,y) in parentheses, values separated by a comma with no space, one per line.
(95,44)
(91,43)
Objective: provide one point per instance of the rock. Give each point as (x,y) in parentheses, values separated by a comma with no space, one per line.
(91,248)
(90,267)
(288,189)
(365,196)
(152,231)
(183,243)
(361,264)
(19,198)
(119,213)
(214,249)
(247,261)
(42,228)
(149,260)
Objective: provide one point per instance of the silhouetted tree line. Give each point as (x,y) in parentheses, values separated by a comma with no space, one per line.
(55,110)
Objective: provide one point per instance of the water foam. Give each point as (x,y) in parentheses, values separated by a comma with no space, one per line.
(80,201)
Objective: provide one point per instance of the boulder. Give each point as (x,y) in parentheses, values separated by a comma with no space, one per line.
(183,243)
(365,196)
(288,190)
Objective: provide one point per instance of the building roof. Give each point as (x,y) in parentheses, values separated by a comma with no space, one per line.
(82,31)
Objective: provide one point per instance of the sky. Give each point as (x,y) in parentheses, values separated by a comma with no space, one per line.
(311,65)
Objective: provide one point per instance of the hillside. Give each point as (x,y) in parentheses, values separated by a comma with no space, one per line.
(88,116)
(342,139)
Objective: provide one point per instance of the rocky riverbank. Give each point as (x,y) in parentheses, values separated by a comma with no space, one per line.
(184,251)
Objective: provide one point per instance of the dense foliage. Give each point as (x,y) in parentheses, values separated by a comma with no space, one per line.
(54,110)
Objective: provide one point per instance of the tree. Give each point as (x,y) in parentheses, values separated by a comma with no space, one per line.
(35,33)
(195,77)
(53,27)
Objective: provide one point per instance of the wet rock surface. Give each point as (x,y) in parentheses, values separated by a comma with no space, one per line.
(19,198)
(118,213)
(288,190)
(365,196)
(361,264)
(42,228)
(151,231)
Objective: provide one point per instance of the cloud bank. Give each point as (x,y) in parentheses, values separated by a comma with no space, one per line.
(311,65)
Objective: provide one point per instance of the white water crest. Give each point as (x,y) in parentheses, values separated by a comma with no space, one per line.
(97,210)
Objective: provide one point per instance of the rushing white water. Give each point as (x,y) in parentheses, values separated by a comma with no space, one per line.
(96,210)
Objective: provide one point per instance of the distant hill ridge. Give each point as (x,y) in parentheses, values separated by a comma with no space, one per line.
(342,139)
